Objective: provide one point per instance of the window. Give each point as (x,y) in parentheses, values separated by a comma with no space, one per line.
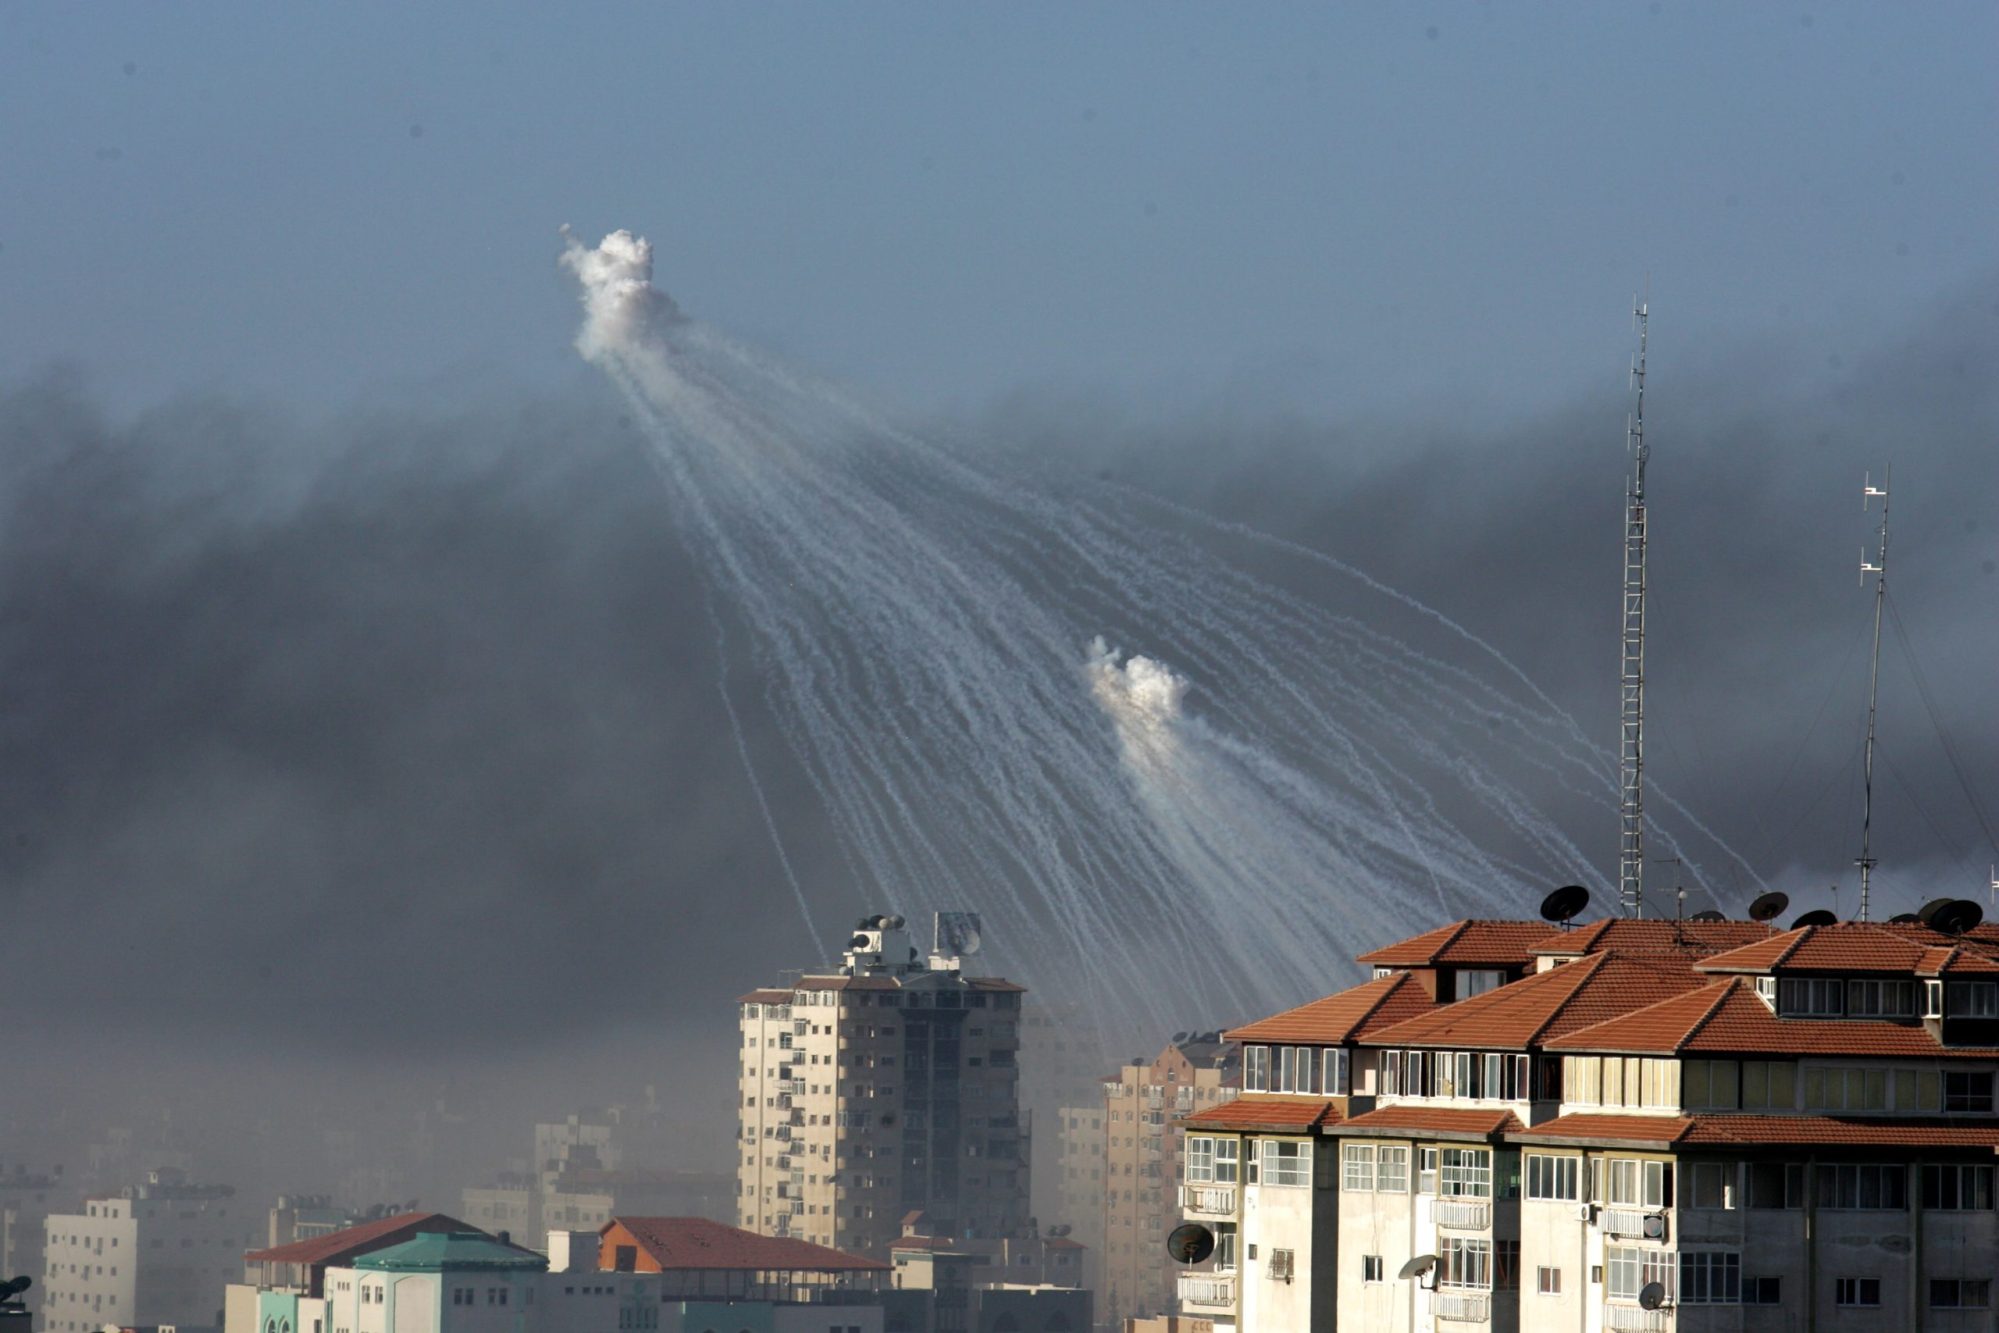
(1971,999)
(1256,1068)
(1776,1185)
(1710,1277)
(1557,1178)
(1710,1184)
(1475,981)
(1467,1173)
(1337,1072)
(1357,1167)
(1846,1089)
(1956,1293)
(1228,1153)
(1853,1186)
(1639,1184)
(1426,1178)
(1278,1269)
(1391,1073)
(1955,1187)
(1200,1160)
(1810,997)
(1630,1270)
(1225,1247)
(1967,1090)
(1856,1291)
(1762,1291)
(1392,1171)
(1286,1162)
(1370,1268)
(1506,1265)
(1464,1261)
(1548,1281)
(1880,999)
(1769,1086)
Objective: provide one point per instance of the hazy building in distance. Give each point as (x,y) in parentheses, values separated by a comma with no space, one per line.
(157,1253)
(26,1200)
(1079,1200)
(886,1085)
(1139,1201)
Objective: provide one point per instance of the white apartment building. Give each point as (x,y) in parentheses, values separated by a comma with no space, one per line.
(1635,1125)
(158,1253)
(885,1087)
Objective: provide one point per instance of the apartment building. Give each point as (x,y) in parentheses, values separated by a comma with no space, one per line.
(886,1085)
(1634,1125)
(157,1253)
(1143,1105)
(26,1200)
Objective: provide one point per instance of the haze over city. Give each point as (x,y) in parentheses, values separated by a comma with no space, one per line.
(1152,478)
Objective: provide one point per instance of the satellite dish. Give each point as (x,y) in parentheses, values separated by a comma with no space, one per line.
(1769,906)
(1190,1243)
(1417,1267)
(9,1290)
(1931,908)
(1818,916)
(1956,917)
(893,923)
(1564,903)
(1180,1038)
(1903,919)
(1708,915)
(1652,1295)
(858,942)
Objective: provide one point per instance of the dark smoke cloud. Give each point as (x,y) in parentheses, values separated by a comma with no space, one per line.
(396,740)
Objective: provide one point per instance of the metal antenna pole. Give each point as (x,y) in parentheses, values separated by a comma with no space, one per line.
(1631,747)
(1879,569)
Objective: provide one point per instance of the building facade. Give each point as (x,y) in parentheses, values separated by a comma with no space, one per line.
(157,1253)
(888,1085)
(1635,1125)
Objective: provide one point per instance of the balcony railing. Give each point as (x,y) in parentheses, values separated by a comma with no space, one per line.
(1208,1200)
(1647,1224)
(1208,1289)
(1636,1319)
(1464,1214)
(1464,1307)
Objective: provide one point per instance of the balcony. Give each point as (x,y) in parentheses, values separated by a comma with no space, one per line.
(1207,1200)
(1645,1224)
(1636,1319)
(1208,1291)
(1463,1307)
(1464,1214)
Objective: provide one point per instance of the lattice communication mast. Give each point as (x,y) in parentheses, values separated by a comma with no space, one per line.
(1879,569)
(1631,748)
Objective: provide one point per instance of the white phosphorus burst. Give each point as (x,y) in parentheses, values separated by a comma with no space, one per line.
(1209,829)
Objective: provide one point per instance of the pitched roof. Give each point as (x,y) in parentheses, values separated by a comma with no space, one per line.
(1845,946)
(1447,1121)
(677,1243)
(1665,1026)
(1733,1130)
(1539,1008)
(767,996)
(376,1234)
(1294,1115)
(429,1251)
(1464,944)
(1344,1016)
(1653,935)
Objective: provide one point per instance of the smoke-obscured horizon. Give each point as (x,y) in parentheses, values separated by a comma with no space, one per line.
(376,760)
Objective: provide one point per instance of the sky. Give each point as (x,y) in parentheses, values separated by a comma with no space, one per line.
(354,713)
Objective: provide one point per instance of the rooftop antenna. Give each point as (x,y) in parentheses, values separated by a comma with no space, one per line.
(1879,569)
(1631,748)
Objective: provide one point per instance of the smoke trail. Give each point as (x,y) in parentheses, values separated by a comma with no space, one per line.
(1224,814)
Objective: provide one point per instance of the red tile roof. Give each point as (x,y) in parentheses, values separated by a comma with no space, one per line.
(377,1234)
(1845,946)
(1292,1115)
(686,1243)
(1653,935)
(1539,1008)
(765,997)
(1732,1130)
(1342,1017)
(1661,1027)
(1464,944)
(1410,1118)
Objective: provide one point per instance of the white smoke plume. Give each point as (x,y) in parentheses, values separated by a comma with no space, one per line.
(620,303)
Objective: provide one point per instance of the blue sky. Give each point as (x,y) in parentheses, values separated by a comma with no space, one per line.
(1338,209)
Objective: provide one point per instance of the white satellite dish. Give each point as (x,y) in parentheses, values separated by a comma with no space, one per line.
(957,934)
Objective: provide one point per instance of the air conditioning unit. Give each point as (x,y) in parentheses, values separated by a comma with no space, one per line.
(1585,1212)
(1655,1226)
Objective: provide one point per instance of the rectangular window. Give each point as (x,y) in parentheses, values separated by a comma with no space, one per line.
(1629,1270)
(1971,999)
(1287,1069)
(1861,1291)
(1286,1162)
(1336,1072)
(1392,1171)
(1960,1293)
(1957,1187)
(1769,1085)
(1860,1186)
(1506,1265)
(1880,999)
(1200,1159)
(1639,1184)
(1810,997)
(1466,1174)
(1548,1281)
(1762,1291)
(1776,1185)
(1228,1153)
(1256,1069)
(1710,1277)
(1967,1090)
(1474,981)
(1357,1167)
(1426,1176)
(1710,1184)
(1556,1178)
(1370,1268)
(1225,1247)
(1464,1261)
